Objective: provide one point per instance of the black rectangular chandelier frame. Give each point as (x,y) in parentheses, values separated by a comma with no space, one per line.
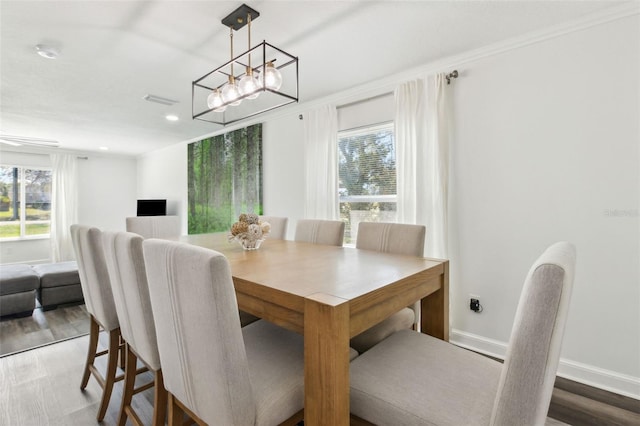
(287,98)
(270,97)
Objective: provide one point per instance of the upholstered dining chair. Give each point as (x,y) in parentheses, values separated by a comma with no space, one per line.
(327,232)
(395,238)
(125,263)
(98,298)
(215,371)
(278,226)
(411,378)
(167,227)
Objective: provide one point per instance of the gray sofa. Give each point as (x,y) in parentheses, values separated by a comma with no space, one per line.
(18,286)
(51,284)
(59,284)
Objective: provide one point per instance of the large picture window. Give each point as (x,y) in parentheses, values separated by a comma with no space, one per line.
(25,202)
(367,177)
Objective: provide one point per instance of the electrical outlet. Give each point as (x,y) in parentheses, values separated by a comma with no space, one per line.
(474,303)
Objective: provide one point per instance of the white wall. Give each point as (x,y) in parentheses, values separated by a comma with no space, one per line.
(162,174)
(545,145)
(106,191)
(283,169)
(106,196)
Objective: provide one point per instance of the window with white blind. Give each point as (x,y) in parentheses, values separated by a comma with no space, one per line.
(366,177)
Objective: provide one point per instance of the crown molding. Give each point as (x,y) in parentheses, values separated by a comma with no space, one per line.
(388,84)
(447,64)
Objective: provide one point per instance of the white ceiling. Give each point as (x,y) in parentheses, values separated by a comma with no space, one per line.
(112,53)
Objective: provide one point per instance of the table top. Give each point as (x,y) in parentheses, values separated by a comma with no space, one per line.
(303,269)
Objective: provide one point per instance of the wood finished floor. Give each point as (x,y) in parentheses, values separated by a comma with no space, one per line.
(41,386)
(44,388)
(42,327)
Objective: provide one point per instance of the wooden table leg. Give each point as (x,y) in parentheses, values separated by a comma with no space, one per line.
(326,361)
(435,309)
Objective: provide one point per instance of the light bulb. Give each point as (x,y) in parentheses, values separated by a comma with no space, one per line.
(249,84)
(272,77)
(230,93)
(214,100)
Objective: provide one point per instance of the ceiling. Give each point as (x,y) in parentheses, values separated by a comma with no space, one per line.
(112,53)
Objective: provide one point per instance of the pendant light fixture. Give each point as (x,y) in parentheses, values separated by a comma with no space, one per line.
(249,84)
(268,78)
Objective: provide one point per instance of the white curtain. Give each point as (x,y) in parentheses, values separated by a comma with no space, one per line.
(321,163)
(64,211)
(422,159)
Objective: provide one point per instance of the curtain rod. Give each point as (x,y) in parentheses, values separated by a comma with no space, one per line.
(448,77)
(452,74)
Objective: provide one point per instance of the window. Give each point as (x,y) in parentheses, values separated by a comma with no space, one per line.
(25,202)
(366,177)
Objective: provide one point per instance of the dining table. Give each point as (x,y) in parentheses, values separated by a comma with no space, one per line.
(330,294)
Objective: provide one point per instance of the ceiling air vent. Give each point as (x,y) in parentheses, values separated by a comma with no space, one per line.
(159,99)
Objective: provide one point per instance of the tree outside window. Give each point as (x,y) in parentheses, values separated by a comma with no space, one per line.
(25,202)
(366,177)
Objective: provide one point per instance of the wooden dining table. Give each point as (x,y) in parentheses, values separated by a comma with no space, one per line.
(330,294)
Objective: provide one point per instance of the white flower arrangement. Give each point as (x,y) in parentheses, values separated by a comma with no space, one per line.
(249,231)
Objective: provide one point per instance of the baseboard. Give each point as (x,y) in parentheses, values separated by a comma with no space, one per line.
(582,373)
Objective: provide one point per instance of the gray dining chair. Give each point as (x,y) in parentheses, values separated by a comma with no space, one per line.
(316,231)
(411,378)
(125,263)
(98,299)
(214,370)
(278,226)
(394,238)
(167,227)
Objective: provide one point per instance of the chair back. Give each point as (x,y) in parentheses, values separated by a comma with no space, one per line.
(201,347)
(327,232)
(529,371)
(94,276)
(167,227)
(125,262)
(395,238)
(278,226)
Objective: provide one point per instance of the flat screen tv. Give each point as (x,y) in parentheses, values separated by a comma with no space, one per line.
(152,207)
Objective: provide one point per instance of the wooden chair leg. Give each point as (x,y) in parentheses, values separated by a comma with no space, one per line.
(110,376)
(160,400)
(175,412)
(123,353)
(129,383)
(94,332)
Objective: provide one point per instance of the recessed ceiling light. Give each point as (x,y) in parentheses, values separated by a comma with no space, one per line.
(47,51)
(104,148)
(171,117)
